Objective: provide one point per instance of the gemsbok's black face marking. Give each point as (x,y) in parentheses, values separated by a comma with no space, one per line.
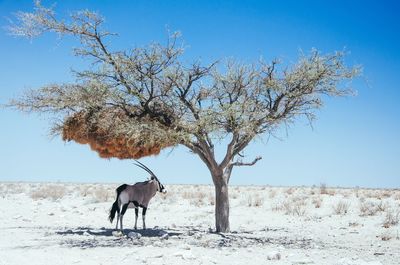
(162,188)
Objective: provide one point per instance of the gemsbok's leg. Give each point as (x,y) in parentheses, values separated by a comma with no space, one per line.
(136,216)
(144,217)
(116,226)
(118,214)
(124,207)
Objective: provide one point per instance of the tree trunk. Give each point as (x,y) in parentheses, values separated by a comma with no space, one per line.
(220,176)
(221,203)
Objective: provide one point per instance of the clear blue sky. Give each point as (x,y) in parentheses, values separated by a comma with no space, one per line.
(355,141)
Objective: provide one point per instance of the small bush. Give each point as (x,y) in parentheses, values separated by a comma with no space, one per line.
(272,194)
(277,207)
(346,193)
(258,201)
(195,198)
(317,202)
(14,188)
(391,218)
(289,191)
(323,189)
(255,201)
(331,192)
(85,190)
(102,194)
(341,208)
(386,193)
(54,192)
(287,206)
(295,207)
(234,195)
(385,236)
(299,209)
(382,206)
(369,194)
(211,199)
(368,208)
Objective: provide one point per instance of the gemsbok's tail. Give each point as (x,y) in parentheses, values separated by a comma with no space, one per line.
(115,206)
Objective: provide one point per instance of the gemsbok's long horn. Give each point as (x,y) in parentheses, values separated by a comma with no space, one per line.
(145,168)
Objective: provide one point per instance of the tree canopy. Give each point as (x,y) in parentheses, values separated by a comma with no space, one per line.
(135,102)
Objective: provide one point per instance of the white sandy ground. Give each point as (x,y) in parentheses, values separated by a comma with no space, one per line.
(44,223)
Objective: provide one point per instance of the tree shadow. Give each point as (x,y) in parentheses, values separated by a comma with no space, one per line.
(89,237)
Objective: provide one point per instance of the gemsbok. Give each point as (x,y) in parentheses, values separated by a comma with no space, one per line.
(135,196)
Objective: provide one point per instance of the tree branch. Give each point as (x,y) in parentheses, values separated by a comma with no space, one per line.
(229,150)
(240,163)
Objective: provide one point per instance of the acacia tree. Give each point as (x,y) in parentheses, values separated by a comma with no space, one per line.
(135,102)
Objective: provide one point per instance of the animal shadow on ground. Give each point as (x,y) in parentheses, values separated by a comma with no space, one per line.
(154,232)
(88,237)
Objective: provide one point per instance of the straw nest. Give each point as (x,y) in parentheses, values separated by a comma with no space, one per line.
(111,133)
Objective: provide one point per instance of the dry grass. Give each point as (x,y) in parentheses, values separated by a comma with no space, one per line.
(386,193)
(323,189)
(211,199)
(331,192)
(277,207)
(13,188)
(234,194)
(341,207)
(369,194)
(289,191)
(346,193)
(97,192)
(385,236)
(85,190)
(378,194)
(197,197)
(295,206)
(287,206)
(53,192)
(299,209)
(272,193)
(382,206)
(189,195)
(255,200)
(317,202)
(368,208)
(392,218)
(102,194)
(356,191)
